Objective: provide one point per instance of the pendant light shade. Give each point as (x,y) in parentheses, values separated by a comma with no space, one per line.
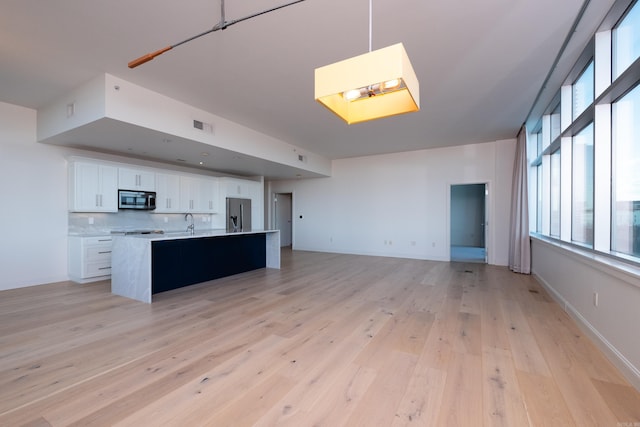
(376,84)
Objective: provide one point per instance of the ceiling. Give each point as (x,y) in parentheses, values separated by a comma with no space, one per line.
(480,64)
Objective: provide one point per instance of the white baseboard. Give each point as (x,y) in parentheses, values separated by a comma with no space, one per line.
(630,372)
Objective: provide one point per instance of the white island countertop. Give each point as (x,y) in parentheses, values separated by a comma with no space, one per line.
(131,257)
(171,235)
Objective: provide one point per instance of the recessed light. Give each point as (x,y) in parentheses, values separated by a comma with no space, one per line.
(204,154)
(202,163)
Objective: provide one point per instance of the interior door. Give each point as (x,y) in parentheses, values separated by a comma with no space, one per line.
(283,217)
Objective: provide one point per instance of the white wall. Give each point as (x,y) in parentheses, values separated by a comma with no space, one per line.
(398,204)
(572,278)
(33,203)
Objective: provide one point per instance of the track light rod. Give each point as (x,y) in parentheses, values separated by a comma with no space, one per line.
(219,26)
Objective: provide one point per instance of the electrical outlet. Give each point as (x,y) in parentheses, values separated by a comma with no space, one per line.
(166,219)
(90,220)
(595,299)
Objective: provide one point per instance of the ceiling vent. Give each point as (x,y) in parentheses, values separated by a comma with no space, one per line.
(203,126)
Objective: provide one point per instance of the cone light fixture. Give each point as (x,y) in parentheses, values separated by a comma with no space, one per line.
(371,86)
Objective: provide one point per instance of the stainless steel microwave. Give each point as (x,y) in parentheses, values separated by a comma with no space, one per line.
(142,200)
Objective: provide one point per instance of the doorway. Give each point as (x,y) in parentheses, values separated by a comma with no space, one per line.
(283,214)
(468,242)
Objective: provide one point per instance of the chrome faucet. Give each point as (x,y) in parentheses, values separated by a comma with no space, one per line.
(190,227)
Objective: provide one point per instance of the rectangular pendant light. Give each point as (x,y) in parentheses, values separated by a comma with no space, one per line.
(376,84)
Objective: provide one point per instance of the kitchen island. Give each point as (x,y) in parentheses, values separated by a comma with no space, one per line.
(146,264)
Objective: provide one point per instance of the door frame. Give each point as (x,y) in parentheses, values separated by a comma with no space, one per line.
(274,210)
(488,226)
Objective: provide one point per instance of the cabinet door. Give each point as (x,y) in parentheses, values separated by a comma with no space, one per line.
(209,195)
(189,194)
(235,187)
(108,188)
(83,187)
(93,187)
(168,193)
(136,179)
(198,195)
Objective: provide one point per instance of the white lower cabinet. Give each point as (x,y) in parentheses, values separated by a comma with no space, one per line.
(89,258)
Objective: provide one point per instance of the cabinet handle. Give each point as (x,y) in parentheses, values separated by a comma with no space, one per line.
(104,240)
(104,268)
(97,200)
(104,252)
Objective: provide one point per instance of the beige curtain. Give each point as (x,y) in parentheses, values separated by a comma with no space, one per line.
(519,244)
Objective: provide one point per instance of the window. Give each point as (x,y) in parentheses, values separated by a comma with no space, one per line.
(537,139)
(626,42)
(582,187)
(539,191)
(600,216)
(555,122)
(625,192)
(555,194)
(582,91)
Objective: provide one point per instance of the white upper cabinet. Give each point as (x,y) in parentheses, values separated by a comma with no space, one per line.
(237,188)
(136,179)
(198,194)
(209,193)
(167,193)
(93,187)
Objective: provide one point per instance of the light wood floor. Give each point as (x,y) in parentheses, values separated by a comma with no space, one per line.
(329,340)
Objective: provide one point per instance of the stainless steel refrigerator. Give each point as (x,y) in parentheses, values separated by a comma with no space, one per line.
(238,214)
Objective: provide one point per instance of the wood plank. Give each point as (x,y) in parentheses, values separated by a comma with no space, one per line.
(461,403)
(380,403)
(621,399)
(422,400)
(502,398)
(545,404)
(524,347)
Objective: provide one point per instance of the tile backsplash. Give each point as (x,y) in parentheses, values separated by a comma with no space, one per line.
(91,223)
